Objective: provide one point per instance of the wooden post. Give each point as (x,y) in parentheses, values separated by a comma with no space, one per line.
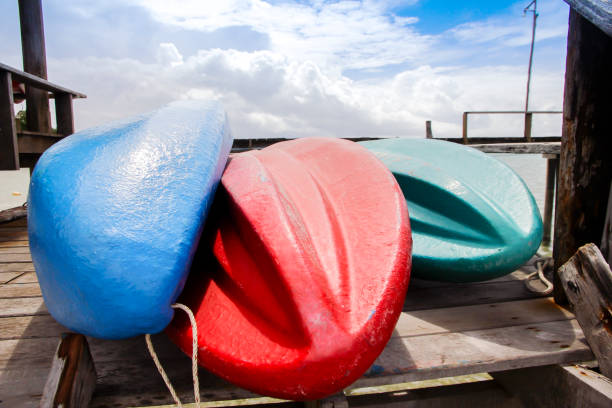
(428,132)
(465,128)
(587,281)
(9,154)
(72,378)
(34,62)
(64,114)
(606,237)
(552,167)
(585,164)
(528,122)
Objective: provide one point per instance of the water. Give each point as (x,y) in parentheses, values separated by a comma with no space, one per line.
(531,168)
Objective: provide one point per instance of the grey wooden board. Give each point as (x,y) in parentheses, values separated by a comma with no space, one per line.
(558,386)
(520,148)
(598,12)
(449,354)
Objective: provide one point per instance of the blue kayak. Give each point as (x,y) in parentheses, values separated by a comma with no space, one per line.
(115,214)
(472,217)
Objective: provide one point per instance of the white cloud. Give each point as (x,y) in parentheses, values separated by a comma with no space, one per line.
(299,86)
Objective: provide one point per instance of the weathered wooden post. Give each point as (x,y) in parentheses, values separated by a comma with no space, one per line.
(428,132)
(34,62)
(552,169)
(585,164)
(465,129)
(9,156)
(528,122)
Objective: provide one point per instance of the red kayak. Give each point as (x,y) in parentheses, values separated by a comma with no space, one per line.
(309,269)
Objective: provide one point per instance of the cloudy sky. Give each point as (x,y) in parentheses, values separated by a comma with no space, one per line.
(306,68)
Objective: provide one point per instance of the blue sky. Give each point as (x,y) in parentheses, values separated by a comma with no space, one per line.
(287,68)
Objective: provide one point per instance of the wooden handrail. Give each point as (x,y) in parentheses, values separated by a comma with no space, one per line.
(40,83)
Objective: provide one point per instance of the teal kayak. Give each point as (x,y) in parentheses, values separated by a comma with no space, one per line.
(472,217)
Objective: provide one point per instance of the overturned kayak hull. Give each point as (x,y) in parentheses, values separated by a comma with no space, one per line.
(472,217)
(115,213)
(308,273)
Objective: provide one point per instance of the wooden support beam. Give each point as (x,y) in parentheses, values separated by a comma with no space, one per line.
(585,165)
(64,114)
(606,237)
(557,386)
(587,281)
(34,62)
(72,378)
(552,169)
(464,136)
(9,155)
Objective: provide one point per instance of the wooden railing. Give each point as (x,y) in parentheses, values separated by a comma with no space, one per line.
(526,130)
(22,149)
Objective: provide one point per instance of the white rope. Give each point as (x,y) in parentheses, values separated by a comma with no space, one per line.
(194,360)
(540,274)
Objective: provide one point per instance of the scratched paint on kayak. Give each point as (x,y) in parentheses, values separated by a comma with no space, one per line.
(472,217)
(308,271)
(115,213)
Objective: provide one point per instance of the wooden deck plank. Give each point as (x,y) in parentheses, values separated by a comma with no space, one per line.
(25,277)
(479,317)
(16,234)
(17,267)
(30,327)
(7,276)
(22,307)
(23,290)
(421,298)
(15,250)
(450,354)
(12,244)
(15,258)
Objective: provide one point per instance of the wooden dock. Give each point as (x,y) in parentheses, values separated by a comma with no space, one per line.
(445,330)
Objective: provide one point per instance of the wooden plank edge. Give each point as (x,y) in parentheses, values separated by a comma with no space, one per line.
(587,282)
(72,377)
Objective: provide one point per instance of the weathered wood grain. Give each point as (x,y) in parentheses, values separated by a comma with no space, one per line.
(449,354)
(12,214)
(26,277)
(585,168)
(13,244)
(22,307)
(16,235)
(598,12)
(479,317)
(558,387)
(9,153)
(15,250)
(15,258)
(72,378)
(587,281)
(606,238)
(23,290)
(17,267)
(520,148)
(419,298)
(8,276)
(30,327)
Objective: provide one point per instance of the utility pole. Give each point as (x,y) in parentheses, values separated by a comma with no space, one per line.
(534,10)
